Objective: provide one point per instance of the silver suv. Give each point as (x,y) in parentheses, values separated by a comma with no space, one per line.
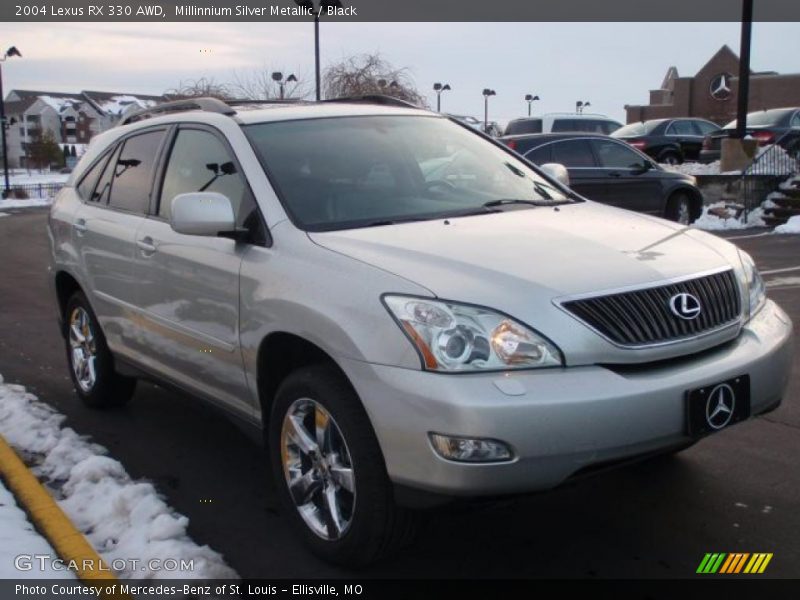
(407,309)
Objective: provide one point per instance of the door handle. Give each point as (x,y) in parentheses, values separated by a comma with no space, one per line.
(146,245)
(80,226)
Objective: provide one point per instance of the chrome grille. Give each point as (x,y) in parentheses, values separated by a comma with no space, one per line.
(644,317)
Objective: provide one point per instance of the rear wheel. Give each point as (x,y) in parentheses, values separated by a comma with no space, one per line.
(91,364)
(330,472)
(681,209)
(670,157)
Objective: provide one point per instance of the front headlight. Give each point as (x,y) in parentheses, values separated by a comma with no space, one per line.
(756,290)
(454,337)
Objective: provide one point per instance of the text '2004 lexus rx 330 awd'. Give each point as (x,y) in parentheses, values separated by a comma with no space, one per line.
(409,311)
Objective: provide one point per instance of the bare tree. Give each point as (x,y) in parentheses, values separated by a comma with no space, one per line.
(203,87)
(367,74)
(262,85)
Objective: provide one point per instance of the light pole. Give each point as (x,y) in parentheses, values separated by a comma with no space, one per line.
(486,93)
(323,5)
(277,77)
(439,88)
(529,99)
(11,52)
(580,105)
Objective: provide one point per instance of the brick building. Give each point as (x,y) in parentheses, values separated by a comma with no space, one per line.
(711,92)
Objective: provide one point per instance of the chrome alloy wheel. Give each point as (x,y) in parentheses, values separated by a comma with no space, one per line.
(318,469)
(83,350)
(683,213)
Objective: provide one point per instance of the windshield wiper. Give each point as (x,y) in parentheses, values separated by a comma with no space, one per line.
(506,201)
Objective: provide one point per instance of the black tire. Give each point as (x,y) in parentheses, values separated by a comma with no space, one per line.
(670,157)
(377,527)
(110,389)
(681,208)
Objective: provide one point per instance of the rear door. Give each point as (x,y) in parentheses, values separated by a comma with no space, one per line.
(116,193)
(627,183)
(688,136)
(188,286)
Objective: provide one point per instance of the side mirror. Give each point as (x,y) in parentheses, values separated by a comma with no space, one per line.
(202,213)
(557,171)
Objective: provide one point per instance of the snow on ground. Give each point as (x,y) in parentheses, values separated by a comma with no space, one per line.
(26,203)
(23,177)
(777,163)
(123,519)
(716,217)
(18,537)
(791,226)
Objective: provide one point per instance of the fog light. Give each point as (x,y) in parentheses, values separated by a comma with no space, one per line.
(469,450)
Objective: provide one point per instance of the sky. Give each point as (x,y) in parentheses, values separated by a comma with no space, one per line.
(607,64)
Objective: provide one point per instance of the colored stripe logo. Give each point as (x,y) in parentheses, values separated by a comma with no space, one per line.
(734,563)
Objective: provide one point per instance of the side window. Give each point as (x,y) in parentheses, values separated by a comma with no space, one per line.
(200,162)
(133,172)
(89,181)
(573,153)
(795,120)
(564,125)
(706,128)
(613,155)
(103,188)
(540,155)
(682,128)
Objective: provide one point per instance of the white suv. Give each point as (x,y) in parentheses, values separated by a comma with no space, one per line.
(563,122)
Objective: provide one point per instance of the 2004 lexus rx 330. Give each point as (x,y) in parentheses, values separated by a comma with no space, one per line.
(408,310)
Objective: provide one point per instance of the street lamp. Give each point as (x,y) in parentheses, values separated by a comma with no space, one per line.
(439,88)
(486,93)
(11,52)
(580,105)
(323,5)
(277,77)
(529,99)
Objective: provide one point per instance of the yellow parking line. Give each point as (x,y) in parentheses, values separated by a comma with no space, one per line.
(69,543)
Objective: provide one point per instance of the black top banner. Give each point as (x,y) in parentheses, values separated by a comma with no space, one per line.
(398,10)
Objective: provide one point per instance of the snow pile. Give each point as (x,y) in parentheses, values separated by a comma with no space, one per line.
(778,162)
(791,226)
(25,203)
(23,177)
(696,168)
(17,536)
(123,519)
(721,216)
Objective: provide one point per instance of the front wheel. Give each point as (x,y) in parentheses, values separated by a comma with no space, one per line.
(330,472)
(680,209)
(91,363)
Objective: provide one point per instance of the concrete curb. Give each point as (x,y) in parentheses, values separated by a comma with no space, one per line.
(69,543)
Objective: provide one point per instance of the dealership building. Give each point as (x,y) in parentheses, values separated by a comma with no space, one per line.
(711,92)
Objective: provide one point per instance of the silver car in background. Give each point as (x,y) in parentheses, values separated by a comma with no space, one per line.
(408,311)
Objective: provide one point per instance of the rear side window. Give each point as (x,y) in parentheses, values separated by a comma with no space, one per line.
(89,182)
(201,162)
(564,125)
(796,120)
(682,128)
(573,153)
(133,172)
(524,126)
(540,156)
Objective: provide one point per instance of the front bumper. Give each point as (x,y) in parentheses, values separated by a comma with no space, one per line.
(558,421)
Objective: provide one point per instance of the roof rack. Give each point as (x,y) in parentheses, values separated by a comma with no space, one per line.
(204,104)
(375,99)
(225,107)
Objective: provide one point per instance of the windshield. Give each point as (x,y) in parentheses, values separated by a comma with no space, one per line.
(340,173)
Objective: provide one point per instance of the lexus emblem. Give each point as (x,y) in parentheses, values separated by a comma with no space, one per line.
(685,306)
(720,87)
(720,405)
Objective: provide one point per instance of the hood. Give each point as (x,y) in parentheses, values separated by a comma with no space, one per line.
(572,249)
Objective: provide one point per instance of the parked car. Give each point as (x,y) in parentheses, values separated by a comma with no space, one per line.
(612,172)
(563,122)
(408,311)
(468,120)
(781,125)
(669,141)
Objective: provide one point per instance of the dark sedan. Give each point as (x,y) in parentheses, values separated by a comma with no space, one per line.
(777,125)
(670,141)
(612,172)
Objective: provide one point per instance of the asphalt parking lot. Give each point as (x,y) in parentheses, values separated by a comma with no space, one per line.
(737,491)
